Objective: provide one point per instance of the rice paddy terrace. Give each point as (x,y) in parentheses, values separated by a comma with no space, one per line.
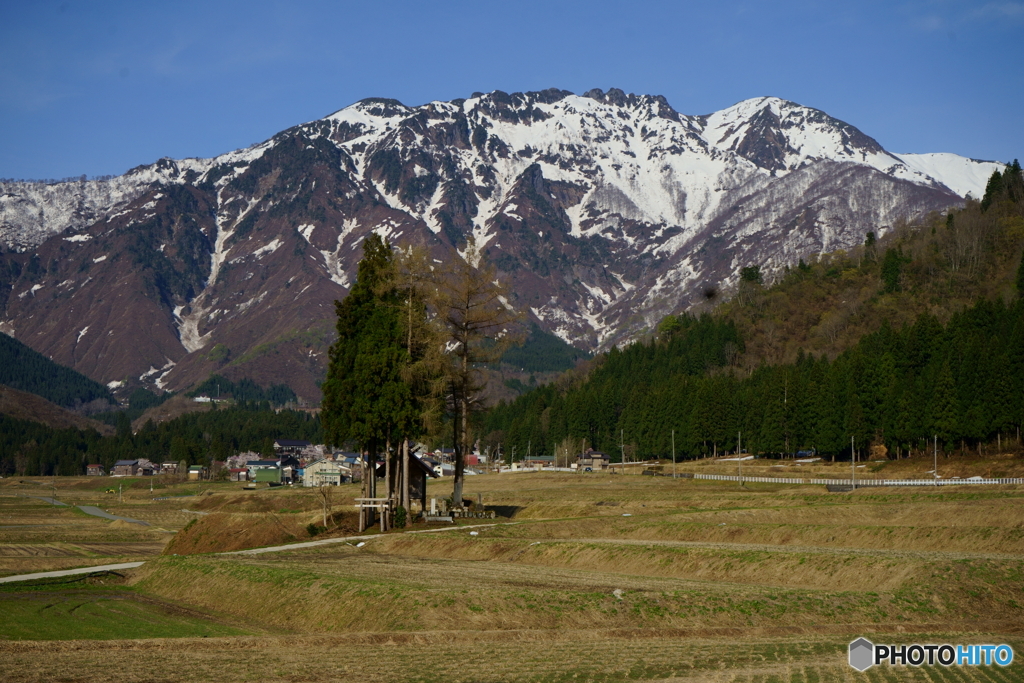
(581,577)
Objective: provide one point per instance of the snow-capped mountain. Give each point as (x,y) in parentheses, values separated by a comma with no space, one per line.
(603,211)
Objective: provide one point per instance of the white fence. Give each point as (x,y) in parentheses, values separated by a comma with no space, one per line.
(858,482)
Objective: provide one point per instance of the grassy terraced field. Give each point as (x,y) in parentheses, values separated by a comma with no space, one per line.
(581,577)
(61,613)
(478,657)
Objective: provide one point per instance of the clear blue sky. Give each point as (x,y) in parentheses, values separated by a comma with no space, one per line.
(100,87)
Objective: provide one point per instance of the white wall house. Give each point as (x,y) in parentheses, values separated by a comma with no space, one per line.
(322,472)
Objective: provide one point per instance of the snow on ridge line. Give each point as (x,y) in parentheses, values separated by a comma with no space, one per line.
(960,174)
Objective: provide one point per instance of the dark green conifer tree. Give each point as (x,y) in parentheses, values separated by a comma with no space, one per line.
(943,409)
(366,400)
(993,190)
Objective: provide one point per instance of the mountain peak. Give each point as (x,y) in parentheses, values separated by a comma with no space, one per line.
(781,136)
(602,211)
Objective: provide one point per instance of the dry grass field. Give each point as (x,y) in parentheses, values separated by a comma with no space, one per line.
(581,577)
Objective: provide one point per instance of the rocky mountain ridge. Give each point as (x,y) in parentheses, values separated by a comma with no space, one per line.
(602,211)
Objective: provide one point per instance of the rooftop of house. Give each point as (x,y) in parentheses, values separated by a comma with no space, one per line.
(414,462)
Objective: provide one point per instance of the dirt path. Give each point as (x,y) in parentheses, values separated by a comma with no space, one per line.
(71,572)
(347,539)
(96,512)
(251,551)
(91,510)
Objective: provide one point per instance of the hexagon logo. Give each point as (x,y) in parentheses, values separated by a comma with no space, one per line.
(862,654)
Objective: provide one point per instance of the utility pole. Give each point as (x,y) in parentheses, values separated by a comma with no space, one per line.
(935,461)
(120,498)
(673,454)
(739,456)
(853,464)
(622,447)
(785,407)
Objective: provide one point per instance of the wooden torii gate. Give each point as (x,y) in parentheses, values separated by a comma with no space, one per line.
(383,506)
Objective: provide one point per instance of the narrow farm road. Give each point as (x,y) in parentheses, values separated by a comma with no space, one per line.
(71,572)
(96,512)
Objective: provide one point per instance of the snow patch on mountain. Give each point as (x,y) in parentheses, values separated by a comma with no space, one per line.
(268,248)
(960,174)
(613,209)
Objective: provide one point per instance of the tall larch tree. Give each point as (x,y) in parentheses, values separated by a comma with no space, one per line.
(480,326)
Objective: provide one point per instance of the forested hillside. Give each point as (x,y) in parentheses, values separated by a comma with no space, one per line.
(29,448)
(218,386)
(916,336)
(27,370)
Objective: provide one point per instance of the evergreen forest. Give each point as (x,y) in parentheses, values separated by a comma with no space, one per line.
(28,370)
(910,341)
(245,389)
(29,448)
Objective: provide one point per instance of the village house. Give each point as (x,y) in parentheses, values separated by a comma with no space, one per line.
(290,446)
(444,455)
(238,474)
(264,470)
(168,468)
(321,472)
(279,470)
(349,473)
(592,461)
(346,456)
(242,459)
(125,468)
(196,472)
(95,470)
(539,461)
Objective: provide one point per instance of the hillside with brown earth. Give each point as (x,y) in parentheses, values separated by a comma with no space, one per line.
(25,406)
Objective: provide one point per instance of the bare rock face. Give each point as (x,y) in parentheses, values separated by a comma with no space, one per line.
(603,212)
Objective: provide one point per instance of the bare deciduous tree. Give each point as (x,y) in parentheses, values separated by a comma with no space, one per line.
(325,493)
(480,325)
